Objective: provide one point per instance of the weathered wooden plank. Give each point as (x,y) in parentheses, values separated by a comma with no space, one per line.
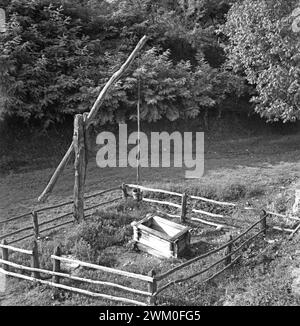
(103,203)
(183,208)
(72,289)
(35,223)
(207,222)
(155,190)
(56,265)
(5,254)
(55,219)
(161,202)
(76,278)
(15,232)
(35,263)
(79,166)
(102,192)
(56,226)
(20,239)
(213,201)
(153,232)
(15,218)
(105,269)
(152,288)
(207,213)
(23,251)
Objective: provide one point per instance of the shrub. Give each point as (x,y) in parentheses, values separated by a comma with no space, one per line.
(90,238)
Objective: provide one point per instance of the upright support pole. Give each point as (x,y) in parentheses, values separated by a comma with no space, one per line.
(87,139)
(35,223)
(124,190)
(80,167)
(56,264)
(5,255)
(228,251)
(35,263)
(152,288)
(183,208)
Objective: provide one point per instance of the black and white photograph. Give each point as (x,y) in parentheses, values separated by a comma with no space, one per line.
(149,157)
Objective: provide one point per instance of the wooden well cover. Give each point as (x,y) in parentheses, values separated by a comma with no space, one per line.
(161,237)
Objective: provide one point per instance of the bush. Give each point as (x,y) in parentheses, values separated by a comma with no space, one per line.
(234,191)
(90,238)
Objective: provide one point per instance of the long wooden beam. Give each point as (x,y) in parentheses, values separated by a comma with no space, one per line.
(91,116)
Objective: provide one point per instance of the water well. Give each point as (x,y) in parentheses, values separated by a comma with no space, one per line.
(161,237)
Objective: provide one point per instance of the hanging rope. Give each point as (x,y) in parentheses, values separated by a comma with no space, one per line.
(138,156)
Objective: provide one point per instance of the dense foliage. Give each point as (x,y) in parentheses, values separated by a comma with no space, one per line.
(264,47)
(55,57)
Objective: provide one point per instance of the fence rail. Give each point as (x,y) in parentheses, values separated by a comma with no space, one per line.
(214,251)
(36,225)
(73,289)
(225,259)
(183,207)
(57,275)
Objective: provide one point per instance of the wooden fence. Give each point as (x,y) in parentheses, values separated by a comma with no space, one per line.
(231,256)
(36,227)
(184,205)
(57,275)
(156,284)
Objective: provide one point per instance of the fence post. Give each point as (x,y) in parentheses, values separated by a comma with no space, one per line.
(87,138)
(5,255)
(152,288)
(124,190)
(35,259)
(56,264)
(264,226)
(35,222)
(80,167)
(228,251)
(183,207)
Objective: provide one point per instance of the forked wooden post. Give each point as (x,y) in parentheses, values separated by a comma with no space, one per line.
(152,288)
(35,223)
(183,208)
(264,226)
(228,251)
(80,167)
(35,263)
(4,255)
(56,264)
(124,190)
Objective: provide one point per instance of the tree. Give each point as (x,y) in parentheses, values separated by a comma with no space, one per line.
(44,60)
(263,47)
(54,58)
